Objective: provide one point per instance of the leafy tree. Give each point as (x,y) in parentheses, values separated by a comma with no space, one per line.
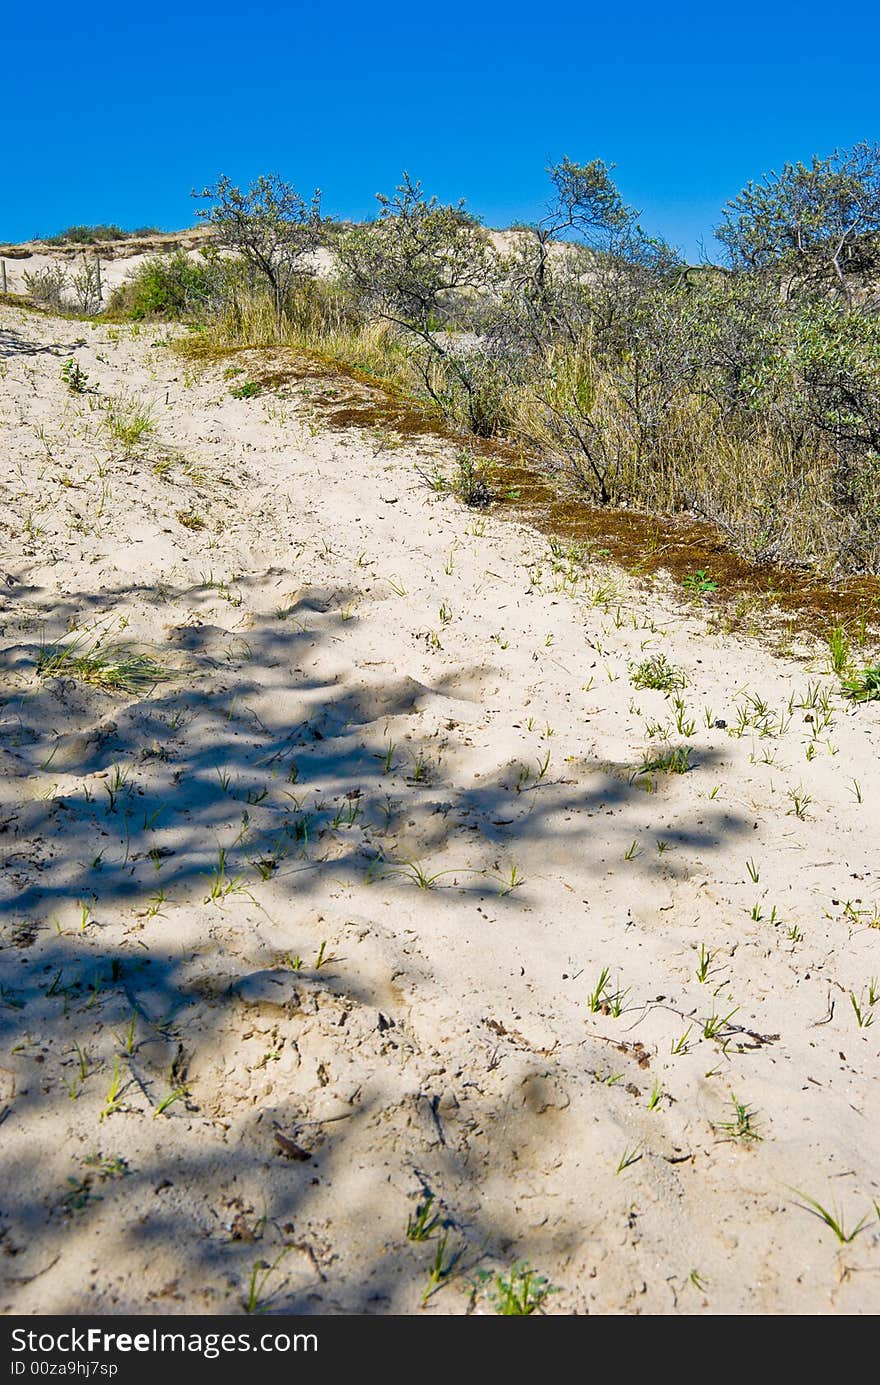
(414,262)
(271,226)
(427,268)
(816,222)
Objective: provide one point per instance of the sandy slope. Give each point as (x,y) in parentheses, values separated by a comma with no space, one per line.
(325,721)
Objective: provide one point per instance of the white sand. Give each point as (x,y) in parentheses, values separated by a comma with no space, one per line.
(447,1043)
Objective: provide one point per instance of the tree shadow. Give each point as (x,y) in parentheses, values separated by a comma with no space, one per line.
(12,343)
(165,853)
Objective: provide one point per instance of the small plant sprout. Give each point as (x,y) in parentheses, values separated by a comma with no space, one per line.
(128,1034)
(656,1095)
(416,873)
(176,1094)
(700,582)
(220,884)
(422,1224)
(742,1126)
(704,962)
(834,1220)
(511,881)
(256,1301)
(519,1292)
(324,958)
(441,1268)
(716,1024)
(615,1002)
(112,1102)
(864,1015)
(629,1157)
(681,1045)
(856,790)
(631,852)
(74,377)
(800,801)
(597,997)
(753,871)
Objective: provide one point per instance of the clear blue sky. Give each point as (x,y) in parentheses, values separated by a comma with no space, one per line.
(113,113)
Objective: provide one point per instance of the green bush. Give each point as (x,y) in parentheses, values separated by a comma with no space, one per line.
(171,286)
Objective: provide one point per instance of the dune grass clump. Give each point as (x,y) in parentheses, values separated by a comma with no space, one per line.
(104,664)
(657,672)
(668,760)
(128,419)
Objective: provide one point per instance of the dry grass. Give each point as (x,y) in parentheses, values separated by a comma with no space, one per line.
(774,502)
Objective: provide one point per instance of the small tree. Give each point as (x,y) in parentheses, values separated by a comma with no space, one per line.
(816,222)
(585,207)
(428,268)
(414,262)
(271,227)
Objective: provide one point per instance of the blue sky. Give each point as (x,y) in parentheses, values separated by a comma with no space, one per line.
(115,114)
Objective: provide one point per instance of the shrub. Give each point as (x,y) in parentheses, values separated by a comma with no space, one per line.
(171,286)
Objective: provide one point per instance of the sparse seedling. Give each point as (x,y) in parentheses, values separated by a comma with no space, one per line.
(512,881)
(597,997)
(834,1220)
(74,377)
(716,1024)
(800,801)
(176,1094)
(704,962)
(112,1102)
(742,1126)
(681,1043)
(518,1293)
(441,1268)
(416,873)
(629,1157)
(864,1015)
(324,958)
(422,1224)
(700,582)
(255,1302)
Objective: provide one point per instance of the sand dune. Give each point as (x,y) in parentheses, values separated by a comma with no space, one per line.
(310,926)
